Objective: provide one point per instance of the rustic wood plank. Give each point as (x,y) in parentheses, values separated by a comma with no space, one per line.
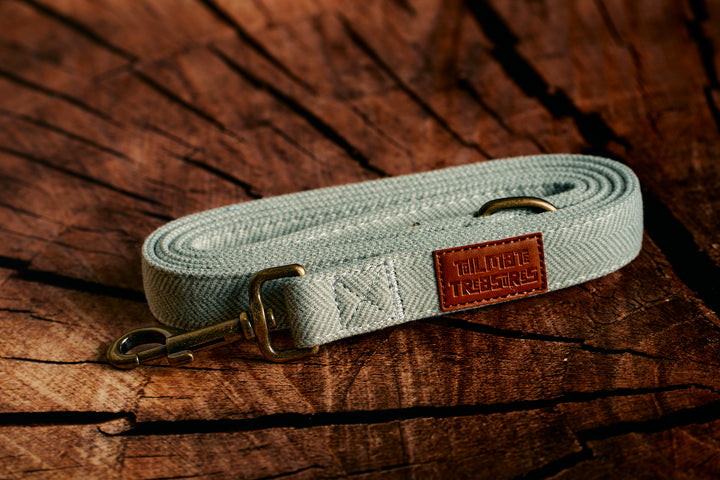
(497,445)
(397,449)
(118,117)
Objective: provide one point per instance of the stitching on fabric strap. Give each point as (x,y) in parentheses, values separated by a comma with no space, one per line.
(367,247)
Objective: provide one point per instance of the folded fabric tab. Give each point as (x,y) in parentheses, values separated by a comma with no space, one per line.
(371,249)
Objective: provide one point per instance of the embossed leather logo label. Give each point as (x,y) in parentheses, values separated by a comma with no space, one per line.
(490,272)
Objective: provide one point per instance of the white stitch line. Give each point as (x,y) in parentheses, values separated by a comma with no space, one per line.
(335,279)
(365,298)
(576,225)
(365,327)
(396,289)
(320,277)
(347,318)
(390,217)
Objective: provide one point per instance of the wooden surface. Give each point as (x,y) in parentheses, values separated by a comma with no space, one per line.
(118,116)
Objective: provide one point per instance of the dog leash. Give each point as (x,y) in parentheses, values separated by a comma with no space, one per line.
(342,261)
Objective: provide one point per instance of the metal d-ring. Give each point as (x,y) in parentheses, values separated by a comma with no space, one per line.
(259,320)
(514,202)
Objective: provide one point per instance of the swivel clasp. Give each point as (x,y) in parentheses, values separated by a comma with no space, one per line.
(179,347)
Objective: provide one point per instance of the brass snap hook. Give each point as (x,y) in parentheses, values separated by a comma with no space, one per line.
(117,353)
(180,347)
(514,202)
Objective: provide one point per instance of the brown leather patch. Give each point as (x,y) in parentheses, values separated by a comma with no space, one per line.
(490,272)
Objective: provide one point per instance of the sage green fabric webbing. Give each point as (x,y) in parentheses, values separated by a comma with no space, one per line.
(367,247)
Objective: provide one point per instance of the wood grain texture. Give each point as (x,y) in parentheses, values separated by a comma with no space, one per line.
(116,117)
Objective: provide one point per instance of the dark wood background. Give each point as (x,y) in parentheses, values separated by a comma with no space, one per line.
(118,116)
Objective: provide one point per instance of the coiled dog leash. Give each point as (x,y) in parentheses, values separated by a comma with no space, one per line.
(383,252)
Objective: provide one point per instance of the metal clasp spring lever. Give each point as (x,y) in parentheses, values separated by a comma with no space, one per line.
(180,347)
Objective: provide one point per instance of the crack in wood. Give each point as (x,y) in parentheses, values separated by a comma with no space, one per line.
(680,418)
(54,362)
(174,98)
(712,106)
(69,246)
(362,417)
(294,106)
(366,356)
(10,263)
(65,133)
(591,126)
(609,24)
(365,47)
(293,472)
(47,319)
(51,469)
(621,351)
(80,176)
(559,465)
(36,419)
(192,475)
(80,285)
(385,470)
(15,310)
(464,85)
(78,27)
(266,12)
(691,264)
(294,143)
(158,216)
(162,183)
(454,322)
(54,279)
(632,51)
(707,55)
(406,6)
(688,416)
(55,94)
(224,367)
(223,16)
(247,188)
(166,134)
(366,120)
(703,43)
(25,235)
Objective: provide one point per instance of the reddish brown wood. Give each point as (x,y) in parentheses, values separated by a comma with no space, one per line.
(117,117)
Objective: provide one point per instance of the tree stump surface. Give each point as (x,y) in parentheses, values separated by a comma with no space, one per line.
(116,117)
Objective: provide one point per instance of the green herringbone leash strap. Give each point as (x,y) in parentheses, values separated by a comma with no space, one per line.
(385,252)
